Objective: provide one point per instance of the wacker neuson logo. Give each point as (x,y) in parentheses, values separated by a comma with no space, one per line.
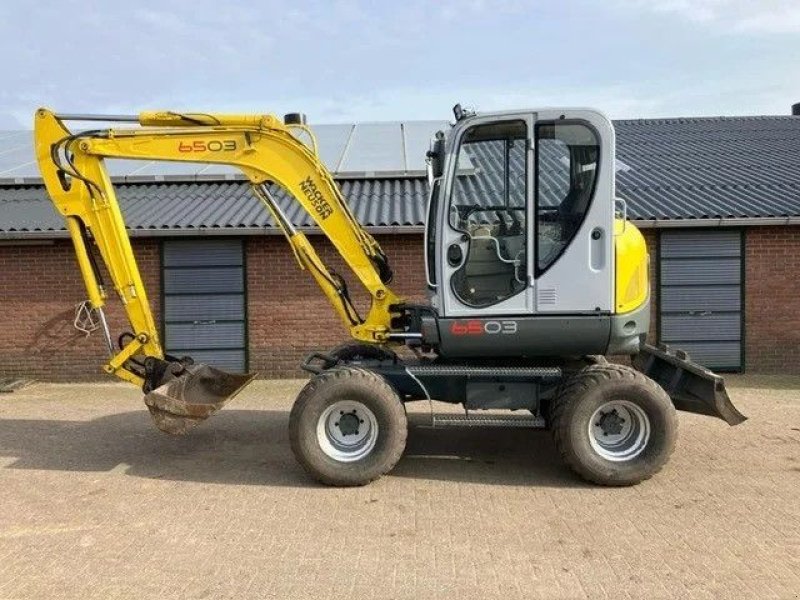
(311,191)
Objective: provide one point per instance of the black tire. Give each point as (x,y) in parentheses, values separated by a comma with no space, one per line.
(351,384)
(358,352)
(579,399)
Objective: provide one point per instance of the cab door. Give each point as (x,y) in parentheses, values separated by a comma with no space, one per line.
(486,241)
(574,213)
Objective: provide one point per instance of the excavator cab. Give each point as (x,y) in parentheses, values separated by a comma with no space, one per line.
(522,224)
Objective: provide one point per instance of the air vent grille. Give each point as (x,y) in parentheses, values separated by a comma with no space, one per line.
(547,296)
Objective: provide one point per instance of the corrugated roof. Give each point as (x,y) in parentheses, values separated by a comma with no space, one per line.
(676,169)
(724,167)
(178,207)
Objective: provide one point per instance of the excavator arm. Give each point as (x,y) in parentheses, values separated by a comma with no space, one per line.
(266,150)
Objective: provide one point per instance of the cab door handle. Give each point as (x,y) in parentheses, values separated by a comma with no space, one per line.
(597,249)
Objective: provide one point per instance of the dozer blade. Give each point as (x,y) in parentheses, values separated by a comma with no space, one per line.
(185,401)
(692,387)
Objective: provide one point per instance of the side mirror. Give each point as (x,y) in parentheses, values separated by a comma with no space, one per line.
(435,158)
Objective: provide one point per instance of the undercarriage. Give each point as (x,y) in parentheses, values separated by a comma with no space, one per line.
(612,424)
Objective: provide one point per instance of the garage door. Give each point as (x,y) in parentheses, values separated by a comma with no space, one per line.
(701,296)
(204,302)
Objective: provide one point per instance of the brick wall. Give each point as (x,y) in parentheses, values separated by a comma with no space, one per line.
(289,317)
(39,289)
(772,299)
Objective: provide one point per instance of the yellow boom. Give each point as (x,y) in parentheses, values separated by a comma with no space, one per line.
(264,148)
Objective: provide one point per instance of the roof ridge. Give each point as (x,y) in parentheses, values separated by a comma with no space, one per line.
(711,119)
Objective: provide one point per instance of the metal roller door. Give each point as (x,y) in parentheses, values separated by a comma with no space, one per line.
(204,306)
(701,296)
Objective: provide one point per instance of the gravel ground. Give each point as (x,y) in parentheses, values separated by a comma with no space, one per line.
(98,504)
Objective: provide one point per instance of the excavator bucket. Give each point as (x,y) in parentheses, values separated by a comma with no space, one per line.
(184,402)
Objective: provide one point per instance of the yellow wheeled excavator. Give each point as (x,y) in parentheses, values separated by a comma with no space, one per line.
(534,275)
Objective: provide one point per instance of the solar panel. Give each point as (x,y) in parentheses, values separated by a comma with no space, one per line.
(8,135)
(16,154)
(124,168)
(18,162)
(331,142)
(380,149)
(210,171)
(160,168)
(374,147)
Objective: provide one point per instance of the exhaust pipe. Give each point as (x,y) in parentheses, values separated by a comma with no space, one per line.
(187,399)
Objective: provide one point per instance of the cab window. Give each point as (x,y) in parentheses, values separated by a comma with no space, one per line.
(567,156)
(488,204)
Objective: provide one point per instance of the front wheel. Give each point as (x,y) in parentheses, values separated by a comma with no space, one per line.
(347,427)
(613,425)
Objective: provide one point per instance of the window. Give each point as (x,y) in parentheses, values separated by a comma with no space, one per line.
(488,204)
(567,158)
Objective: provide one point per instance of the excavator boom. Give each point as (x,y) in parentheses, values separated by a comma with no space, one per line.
(266,150)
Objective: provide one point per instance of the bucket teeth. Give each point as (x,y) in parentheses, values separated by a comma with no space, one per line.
(184,402)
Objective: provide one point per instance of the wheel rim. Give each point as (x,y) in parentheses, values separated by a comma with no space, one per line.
(619,430)
(347,431)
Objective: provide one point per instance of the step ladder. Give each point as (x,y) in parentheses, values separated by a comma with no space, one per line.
(472,420)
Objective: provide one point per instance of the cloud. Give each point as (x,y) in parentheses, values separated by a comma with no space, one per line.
(734,16)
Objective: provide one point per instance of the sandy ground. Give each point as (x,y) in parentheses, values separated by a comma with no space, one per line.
(96,503)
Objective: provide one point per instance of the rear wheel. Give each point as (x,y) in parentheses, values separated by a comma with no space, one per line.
(613,425)
(348,427)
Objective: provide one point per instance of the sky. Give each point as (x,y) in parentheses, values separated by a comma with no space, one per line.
(351,60)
